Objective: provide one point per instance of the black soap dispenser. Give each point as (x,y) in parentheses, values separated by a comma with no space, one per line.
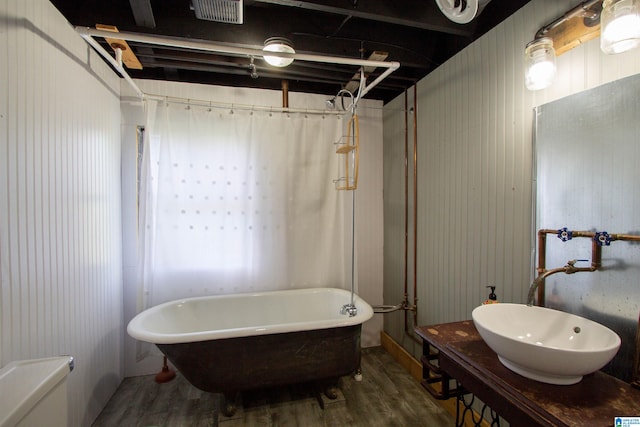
(493,299)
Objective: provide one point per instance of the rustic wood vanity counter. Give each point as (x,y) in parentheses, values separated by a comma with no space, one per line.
(463,355)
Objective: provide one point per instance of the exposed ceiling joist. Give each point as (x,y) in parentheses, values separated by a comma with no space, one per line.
(415,33)
(426,16)
(354,83)
(143,13)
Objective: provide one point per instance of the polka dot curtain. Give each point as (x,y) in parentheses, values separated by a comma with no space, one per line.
(239,201)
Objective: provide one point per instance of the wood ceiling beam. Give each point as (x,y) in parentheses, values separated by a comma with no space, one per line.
(129,58)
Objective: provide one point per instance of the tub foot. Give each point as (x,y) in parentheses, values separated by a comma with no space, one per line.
(331,388)
(331,395)
(229,404)
(331,392)
(357,375)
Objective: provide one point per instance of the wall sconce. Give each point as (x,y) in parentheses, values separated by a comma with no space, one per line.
(620,26)
(278,45)
(619,21)
(540,63)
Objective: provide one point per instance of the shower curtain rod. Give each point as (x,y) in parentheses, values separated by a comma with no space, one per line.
(88,33)
(117,65)
(234,106)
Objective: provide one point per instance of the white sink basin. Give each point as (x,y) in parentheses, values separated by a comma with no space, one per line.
(545,345)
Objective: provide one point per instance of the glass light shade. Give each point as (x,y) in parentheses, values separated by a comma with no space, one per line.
(278,44)
(540,63)
(619,26)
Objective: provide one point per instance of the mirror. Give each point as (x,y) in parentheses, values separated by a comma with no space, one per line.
(587,177)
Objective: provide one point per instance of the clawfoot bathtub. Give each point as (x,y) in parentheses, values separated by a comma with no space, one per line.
(230,343)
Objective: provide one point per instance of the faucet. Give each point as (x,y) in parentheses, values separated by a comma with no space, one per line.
(349,309)
(569,268)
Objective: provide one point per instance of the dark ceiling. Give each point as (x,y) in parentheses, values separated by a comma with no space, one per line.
(414,33)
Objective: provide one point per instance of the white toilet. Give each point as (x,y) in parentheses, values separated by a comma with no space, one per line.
(33,393)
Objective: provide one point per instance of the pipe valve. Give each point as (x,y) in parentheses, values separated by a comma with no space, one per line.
(564,234)
(602,238)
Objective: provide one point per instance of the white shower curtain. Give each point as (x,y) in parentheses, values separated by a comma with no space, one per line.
(239,201)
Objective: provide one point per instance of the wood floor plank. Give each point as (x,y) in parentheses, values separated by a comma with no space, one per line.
(387,396)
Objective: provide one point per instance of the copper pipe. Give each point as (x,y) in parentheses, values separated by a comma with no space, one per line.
(626,237)
(542,261)
(406,198)
(414,306)
(404,305)
(415,204)
(405,301)
(636,360)
(405,298)
(285,94)
(596,253)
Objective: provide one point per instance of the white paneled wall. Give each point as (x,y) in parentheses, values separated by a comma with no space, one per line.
(475,168)
(60,244)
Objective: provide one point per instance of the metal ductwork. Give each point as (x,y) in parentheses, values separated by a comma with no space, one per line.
(461,11)
(226,11)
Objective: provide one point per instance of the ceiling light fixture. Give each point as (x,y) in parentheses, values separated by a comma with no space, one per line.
(617,22)
(278,45)
(619,26)
(540,63)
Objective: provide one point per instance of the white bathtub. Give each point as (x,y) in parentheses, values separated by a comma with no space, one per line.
(242,315)
(227,344)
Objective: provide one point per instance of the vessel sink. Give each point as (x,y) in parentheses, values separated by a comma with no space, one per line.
(543,344)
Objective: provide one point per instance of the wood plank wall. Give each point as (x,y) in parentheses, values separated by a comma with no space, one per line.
(60,244)
(475,160)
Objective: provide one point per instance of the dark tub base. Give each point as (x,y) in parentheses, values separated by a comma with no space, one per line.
(325,392)
(235,364)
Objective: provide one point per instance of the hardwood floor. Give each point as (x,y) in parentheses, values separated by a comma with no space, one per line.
(387,396)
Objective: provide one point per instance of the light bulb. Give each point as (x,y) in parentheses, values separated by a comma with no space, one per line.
(278,44)
(620,26)
(540,63)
